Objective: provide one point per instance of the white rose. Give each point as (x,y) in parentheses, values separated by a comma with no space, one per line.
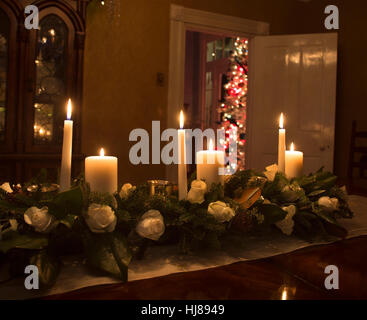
(197,191)
(126,189)
(287,224)
(100,218)
(6,187)
(40,219)
(221,211)
(328,204)
(270,171)
(151,225)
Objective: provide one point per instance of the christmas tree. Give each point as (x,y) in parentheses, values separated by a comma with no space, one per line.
(233,106)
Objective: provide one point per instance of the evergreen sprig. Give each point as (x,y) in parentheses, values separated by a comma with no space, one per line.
(187,224)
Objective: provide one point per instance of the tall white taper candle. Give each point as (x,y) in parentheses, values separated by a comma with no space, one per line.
(182,171)
(281,145)
(67,146)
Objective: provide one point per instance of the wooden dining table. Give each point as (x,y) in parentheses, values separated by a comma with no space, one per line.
(296,275)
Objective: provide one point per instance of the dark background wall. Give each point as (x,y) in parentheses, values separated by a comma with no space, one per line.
(124,55)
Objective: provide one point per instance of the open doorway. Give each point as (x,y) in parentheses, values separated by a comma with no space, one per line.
(293,74)
(213,27)
(215,86)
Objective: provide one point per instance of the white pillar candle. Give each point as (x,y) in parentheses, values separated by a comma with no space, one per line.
(101,173)
(293,163)
(281,145)
(208,163)
(182,171)
(67,144)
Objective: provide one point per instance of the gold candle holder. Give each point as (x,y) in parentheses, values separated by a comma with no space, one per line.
(44,187)
(160,187)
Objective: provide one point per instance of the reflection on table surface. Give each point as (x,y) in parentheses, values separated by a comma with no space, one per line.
(296,275)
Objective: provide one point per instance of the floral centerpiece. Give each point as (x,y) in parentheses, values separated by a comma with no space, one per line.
(39,225)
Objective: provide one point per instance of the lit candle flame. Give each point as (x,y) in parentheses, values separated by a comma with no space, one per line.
(211,147)
(292,146)
(181,120)
(281,121)
(101,152)
(68,112)
(284,294)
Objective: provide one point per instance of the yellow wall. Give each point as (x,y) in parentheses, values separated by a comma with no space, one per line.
(120,92)
(123,57)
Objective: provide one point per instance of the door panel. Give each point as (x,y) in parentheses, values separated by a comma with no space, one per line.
(295,75)
(215,65)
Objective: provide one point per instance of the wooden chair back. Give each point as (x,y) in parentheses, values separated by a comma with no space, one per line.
(357,160)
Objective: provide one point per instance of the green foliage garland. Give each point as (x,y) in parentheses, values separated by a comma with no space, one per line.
(186,224)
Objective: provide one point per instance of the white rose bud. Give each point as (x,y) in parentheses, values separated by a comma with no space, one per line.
(270,172)
(100,218)
(6,187)
(126,189)
(328,204)
(40,219)
(197,191)
(344,191)
(221,211)
(13,224)
(287,224)
(151,225)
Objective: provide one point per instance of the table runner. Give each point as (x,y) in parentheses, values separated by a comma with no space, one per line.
(161,261)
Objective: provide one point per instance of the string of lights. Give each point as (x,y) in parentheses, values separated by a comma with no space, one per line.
(233,107)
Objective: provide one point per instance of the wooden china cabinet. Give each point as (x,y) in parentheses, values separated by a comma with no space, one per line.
(39,70)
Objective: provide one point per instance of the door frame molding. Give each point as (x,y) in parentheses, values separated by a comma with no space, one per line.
(181,20)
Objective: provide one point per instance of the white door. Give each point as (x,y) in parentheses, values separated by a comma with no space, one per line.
(296,75)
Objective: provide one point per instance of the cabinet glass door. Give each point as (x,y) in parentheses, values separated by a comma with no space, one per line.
(50,87)
(4,37)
